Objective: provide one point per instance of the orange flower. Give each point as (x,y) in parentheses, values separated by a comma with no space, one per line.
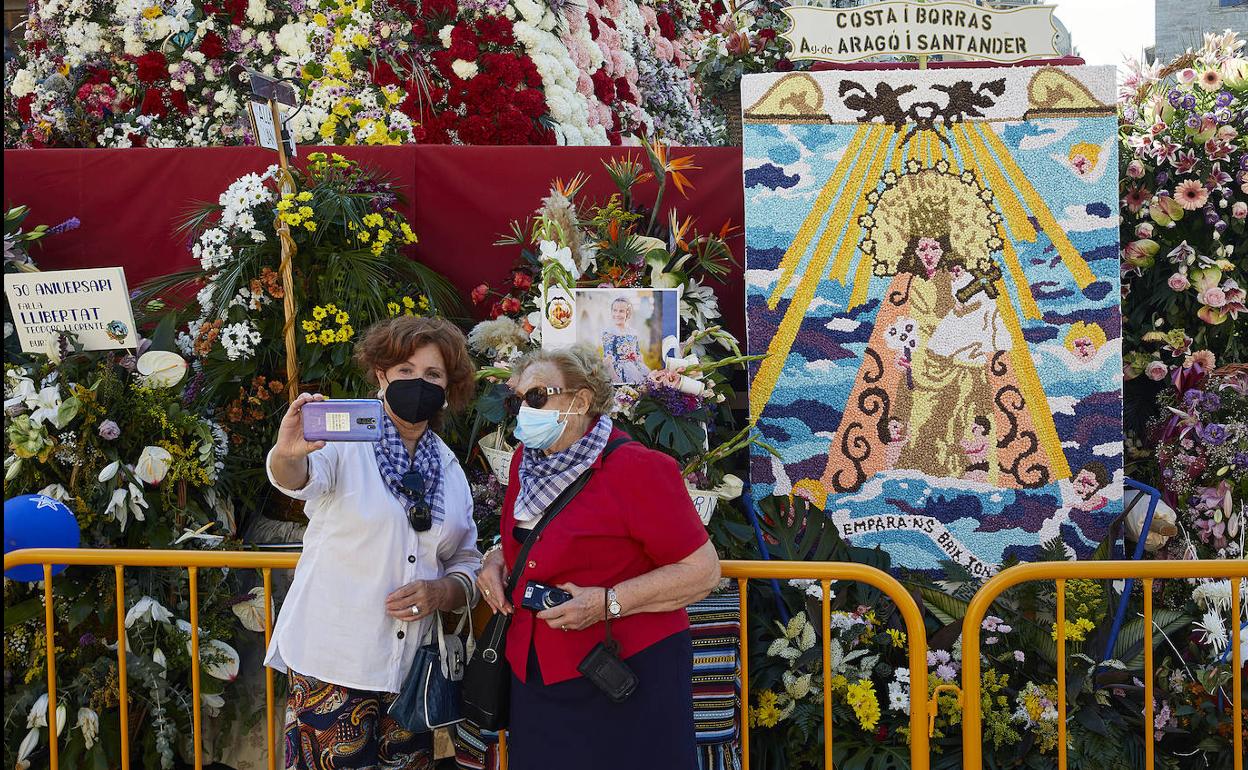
(674,166)
(679,229)
(571,187)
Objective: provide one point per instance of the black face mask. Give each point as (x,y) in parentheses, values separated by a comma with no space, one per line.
(415,401)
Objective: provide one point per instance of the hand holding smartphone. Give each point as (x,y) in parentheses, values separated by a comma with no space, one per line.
(342,419)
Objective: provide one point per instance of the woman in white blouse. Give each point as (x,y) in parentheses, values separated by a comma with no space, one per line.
(389,526)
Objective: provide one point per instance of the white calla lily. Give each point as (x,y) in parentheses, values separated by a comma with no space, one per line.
(225,665)
(110,471)
(153,464)
(551,252)
(158,657)
(38,716)
(213,703)
(161,368)
(21,391)
(148,608)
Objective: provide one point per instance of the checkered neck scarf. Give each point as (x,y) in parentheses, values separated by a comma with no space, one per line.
(543,477)
(393,461)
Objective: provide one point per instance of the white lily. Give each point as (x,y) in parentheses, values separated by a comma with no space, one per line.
(150,609)
(109,471)
(89,724)
(158,657)
(38,716)
(44,405)
(29,744)
(117,508)
(56,492)
(12,467)
(213,703)
(137,502)
(153,464)
(730,488)
(161,368)
(551,252)
(226,670)
(20,390)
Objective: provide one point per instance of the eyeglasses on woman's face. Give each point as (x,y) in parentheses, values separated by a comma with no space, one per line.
(534,397)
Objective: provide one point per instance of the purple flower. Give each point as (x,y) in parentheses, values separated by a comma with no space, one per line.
(1240,460)
(109,430)
(1223,99)
(1193,397)
(69,224)
(1214,433)
(1189,102)
(1174,97)
(1211,402)
(1193,121)
(86,640)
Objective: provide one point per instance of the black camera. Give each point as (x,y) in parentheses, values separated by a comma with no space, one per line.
(538,597)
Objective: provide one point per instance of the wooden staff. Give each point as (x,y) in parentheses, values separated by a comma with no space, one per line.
(286,186)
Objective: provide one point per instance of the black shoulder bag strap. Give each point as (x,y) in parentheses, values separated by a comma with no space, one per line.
(487,680)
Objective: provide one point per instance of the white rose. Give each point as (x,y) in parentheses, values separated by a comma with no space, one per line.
(444,35)
(23,83)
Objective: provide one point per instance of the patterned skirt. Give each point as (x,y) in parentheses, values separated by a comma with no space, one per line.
(330,727)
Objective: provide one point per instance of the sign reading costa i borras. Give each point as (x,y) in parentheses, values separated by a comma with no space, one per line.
(921,29)
(92,304)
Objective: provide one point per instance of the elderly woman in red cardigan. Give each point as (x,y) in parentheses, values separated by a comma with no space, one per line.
(629,546)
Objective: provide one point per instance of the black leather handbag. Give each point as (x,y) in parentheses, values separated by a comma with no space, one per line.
(486,689)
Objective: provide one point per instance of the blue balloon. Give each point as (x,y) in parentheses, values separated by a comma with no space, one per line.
(37,521)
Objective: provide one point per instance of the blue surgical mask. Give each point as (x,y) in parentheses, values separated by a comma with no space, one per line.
(539,428)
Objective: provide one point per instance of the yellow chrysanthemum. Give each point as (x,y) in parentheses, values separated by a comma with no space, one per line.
(153,12)
(332,309)
(344,334)
(320,20)
(319,313)
(424,302)
(310,338)
(342,318)
(304,196)
(306,212)
(365,235)
(284,205)
(328,336)
(408,302)
(310,226)
(861,696)
(393,308)
(311,326)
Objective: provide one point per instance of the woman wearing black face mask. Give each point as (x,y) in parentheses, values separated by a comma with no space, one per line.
(390,543)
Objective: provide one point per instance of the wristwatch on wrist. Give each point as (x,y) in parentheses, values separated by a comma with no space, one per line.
(613,604)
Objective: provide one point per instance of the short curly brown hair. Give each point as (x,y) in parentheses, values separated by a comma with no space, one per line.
(388,343)
(582,368)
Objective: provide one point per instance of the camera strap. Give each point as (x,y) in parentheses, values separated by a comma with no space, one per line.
(558,505)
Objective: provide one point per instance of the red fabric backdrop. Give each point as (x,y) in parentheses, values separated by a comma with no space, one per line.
(459,200)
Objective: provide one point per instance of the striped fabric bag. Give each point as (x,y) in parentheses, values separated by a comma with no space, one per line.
(714,624)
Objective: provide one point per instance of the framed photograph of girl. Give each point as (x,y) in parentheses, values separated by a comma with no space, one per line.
(627,326)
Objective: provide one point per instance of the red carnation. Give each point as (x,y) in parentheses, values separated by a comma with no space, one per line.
(98,75)
(212,46)
(475,129)
(593,26)
(604,86)
(383,74)
(614,138)
(624,91)
(510,305)
(237,9)
(531,102)
(522,281)
(210,9)
(784,65)
(419,30)
(666,27)
(153,67)
(23,107)
(766,33)
(441,9)
(480,293)
(178,100)
(153,104)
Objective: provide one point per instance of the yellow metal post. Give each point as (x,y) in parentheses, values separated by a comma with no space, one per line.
(826,586)
(1061,674)
(50,634)
(195,708)
(1149,737)
(271,749)
(123,696)
(742,586)
(1237,676)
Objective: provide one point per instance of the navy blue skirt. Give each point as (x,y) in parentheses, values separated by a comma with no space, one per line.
(572,725)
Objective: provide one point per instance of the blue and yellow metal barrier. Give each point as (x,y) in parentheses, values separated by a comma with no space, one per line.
(972,726)
(742,572)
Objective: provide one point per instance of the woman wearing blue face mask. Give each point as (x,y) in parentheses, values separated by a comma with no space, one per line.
(629,549)
(390,542)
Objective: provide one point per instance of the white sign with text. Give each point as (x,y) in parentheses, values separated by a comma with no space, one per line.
(93,304)
(906,27)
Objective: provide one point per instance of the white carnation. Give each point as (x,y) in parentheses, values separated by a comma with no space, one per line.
(464,69)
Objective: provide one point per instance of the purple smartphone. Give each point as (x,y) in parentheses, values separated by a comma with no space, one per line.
(342,419)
